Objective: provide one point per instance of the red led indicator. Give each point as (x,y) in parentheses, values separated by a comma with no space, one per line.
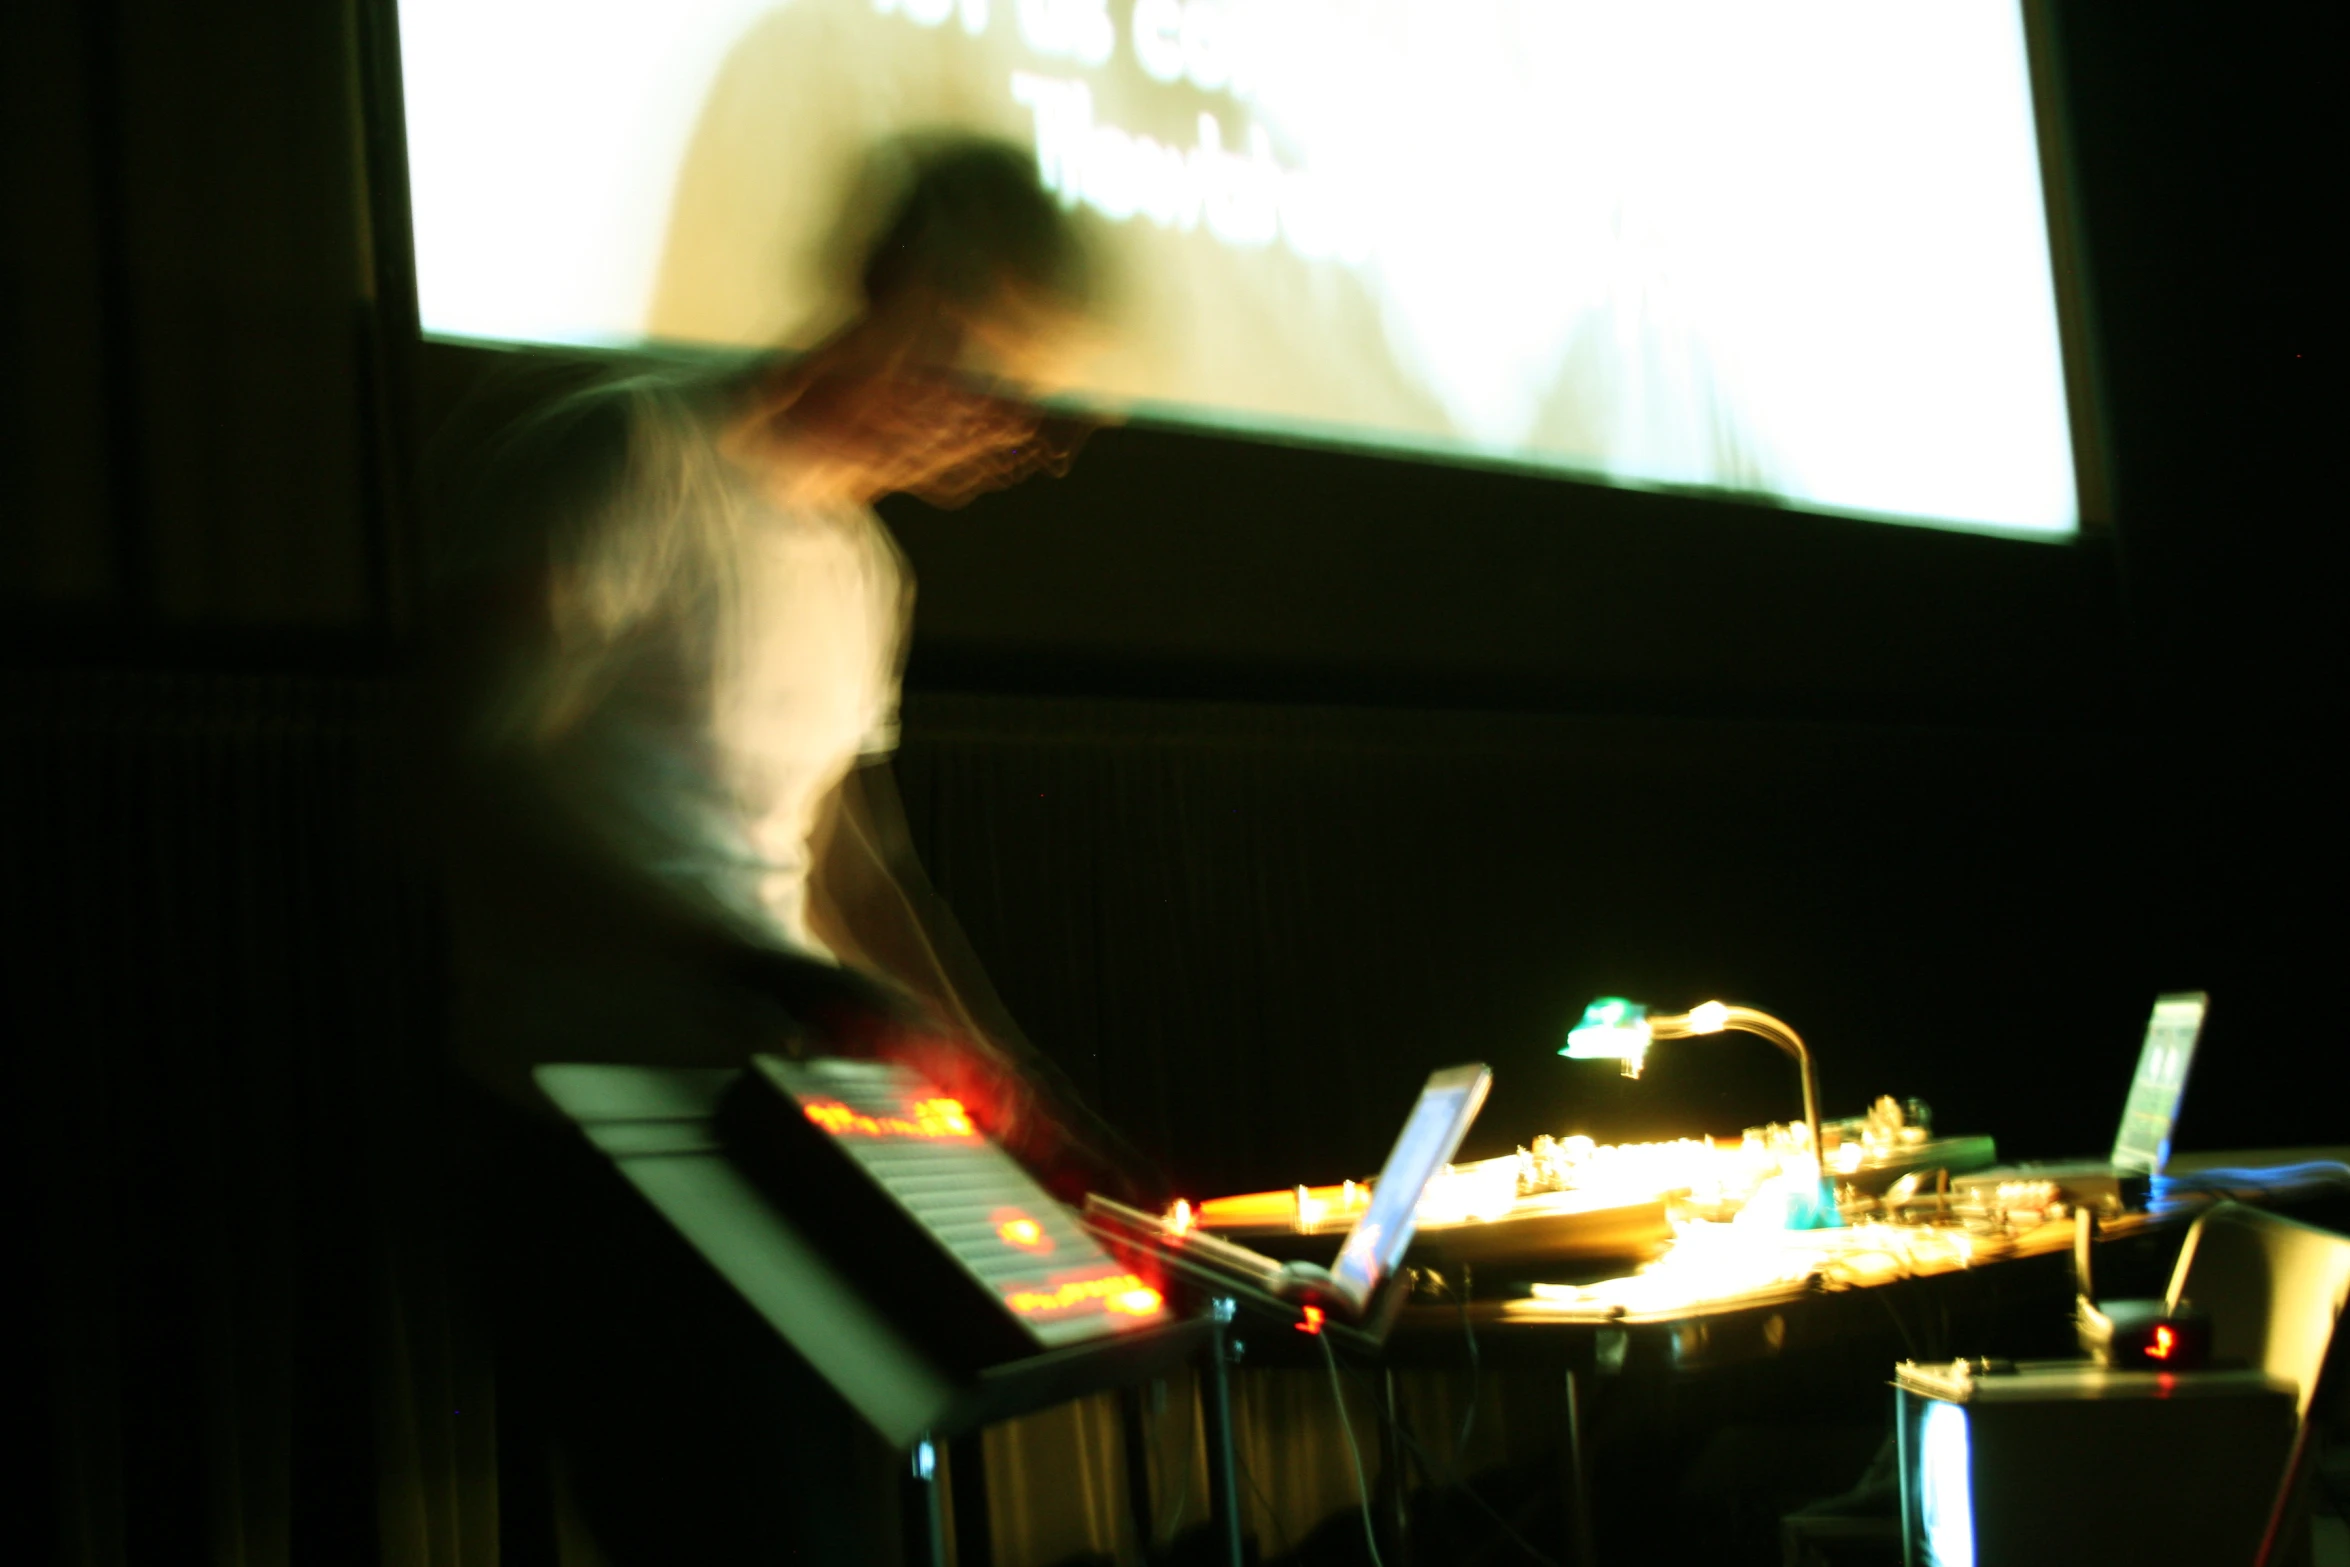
(927,1120)
(1313,1320)
(2165,1341)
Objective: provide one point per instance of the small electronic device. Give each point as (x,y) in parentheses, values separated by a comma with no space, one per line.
(2145,1335)
(2132,1335)
(1375,1246)
(2032,1464)
(2141,1145)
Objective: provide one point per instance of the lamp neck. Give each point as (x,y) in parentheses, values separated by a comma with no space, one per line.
(1761,1024)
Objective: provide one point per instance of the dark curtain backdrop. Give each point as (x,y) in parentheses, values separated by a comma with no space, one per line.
(1246,931)
(1247,924)
(221,992)
(1251,931)
(195,424)
(217,983)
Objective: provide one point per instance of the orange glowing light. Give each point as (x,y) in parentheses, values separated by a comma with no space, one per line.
(1018,1229)
(1117,1292)
(2165,1342)
(935,1120)
(1313,1320)
(1181,1219)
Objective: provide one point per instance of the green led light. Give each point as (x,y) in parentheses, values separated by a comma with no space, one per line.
(1613,1029)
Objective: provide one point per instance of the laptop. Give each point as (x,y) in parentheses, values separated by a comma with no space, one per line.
(1374,1247)
(2141,1144)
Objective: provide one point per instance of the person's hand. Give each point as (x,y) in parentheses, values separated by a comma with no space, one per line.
(845,1012)
(842,1010)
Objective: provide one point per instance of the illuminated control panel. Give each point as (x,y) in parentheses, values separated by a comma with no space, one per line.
(1685,1220)
(1002,1230)
(934,1120)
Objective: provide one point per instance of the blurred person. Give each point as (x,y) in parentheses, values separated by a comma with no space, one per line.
(672,632)
(672,629)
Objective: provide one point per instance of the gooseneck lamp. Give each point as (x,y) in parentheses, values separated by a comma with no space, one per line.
(1614,1029)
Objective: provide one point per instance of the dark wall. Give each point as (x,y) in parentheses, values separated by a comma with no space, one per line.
(192,423)
(1183,564)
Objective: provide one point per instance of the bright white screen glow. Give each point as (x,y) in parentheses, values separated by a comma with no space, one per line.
(1379,1238)
(1795,248)
(1946,1501)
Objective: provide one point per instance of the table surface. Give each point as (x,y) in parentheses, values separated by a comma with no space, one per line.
(1725,1271)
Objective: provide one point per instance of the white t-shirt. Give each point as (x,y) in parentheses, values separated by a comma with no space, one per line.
(711,664)
(805,685)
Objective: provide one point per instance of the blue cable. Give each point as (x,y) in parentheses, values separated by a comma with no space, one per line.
(2308,1172)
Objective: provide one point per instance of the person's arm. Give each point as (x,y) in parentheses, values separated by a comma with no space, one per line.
(871,904)
(869,901)
(564,538)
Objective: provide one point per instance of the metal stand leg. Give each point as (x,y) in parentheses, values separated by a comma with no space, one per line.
(967,1492)
(1134,1432)
(923,1527)
(1577,1477)
(1215,1396)
(1394,1479)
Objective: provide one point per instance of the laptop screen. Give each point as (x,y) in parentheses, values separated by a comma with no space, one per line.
(2142,1145)
(1448,1103)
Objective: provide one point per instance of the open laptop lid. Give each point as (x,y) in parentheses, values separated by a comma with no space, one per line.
(1449,1101)
(2142,1145)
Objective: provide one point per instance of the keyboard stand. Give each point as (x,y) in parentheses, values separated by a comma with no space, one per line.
(656,1125)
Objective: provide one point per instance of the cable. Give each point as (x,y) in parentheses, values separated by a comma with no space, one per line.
(1428,1468)
(2325,1485)
(1907,1341)
(1460,1444)
(1436,1476)
(1281,1544)
(2272,1175)
(1353,1453)
(1193,1441)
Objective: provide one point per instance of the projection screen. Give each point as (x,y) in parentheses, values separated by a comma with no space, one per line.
(1793,249)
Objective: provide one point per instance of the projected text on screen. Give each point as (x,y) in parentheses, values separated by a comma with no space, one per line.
(1792,248)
